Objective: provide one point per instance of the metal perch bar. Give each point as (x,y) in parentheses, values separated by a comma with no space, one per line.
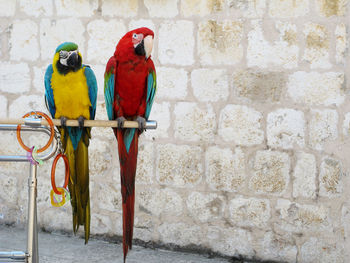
(74,123)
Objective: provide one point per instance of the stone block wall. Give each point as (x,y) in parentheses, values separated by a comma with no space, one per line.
(251,156)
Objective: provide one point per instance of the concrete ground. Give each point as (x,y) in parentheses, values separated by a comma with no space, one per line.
(65,249)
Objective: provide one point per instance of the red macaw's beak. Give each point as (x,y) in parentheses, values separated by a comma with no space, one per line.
(148,43)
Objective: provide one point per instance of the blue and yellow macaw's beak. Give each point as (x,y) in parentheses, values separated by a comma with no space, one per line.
(67,58)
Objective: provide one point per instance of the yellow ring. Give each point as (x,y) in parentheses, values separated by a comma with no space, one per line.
(63,201)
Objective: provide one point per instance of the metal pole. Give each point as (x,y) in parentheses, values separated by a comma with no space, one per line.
(32,235)
(14,255)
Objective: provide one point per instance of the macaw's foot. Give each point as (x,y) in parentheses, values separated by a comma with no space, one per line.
(121,121)
(63,122)
(81,122)
(142,123)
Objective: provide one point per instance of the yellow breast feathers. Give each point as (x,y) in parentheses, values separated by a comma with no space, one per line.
(71,94)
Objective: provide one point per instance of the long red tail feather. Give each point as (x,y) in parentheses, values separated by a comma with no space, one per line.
(128,162)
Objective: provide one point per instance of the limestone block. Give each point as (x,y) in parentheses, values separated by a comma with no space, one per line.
(341,43)
(322,127)
(225,171)
(200,7)
(179,165)
(145,164)
(193,123)
(277,248)
(53,219)
(105,133)
(99,71)
(329,8)
(249,212)
(210,84)
(121,8)
(76,8)
(36,8)
(24,104)
(180,234)
(322,251)
(23,40)
(102,224)
(10,146)
(55,32)
(9,189)
(3,107)
(315,88)
(14,77)
(285,128)
(143,227)
(317,46)
(345,224)
(160,201)
(9,214)
(288,8)
(7,8)
(346,124)
(102,43)
(176,43)
(304,184)
(136,23)
(270,172)
(205,207)
(100,156)
(158,8)
(105,196)
(296,217)
(241,124)
(220,42)
(38,79)
(230,241)
(331,177)
(249,8)
(259,86)
(161,113)
(283,52)
(172,83)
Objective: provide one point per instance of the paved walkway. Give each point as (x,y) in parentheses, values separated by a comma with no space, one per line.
(56,248)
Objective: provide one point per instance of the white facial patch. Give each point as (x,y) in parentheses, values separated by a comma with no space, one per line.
(136,39)
(64,56)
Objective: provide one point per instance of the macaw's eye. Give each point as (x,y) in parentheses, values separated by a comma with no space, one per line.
(63,54)
(134,36)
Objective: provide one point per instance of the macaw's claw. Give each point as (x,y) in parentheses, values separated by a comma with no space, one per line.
(81,122)
(63,122)
(121,121)
(142,123)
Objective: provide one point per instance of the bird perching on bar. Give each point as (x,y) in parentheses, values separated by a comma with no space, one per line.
(71,93)
(130,86)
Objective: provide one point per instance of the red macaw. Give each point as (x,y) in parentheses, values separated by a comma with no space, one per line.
(130,86)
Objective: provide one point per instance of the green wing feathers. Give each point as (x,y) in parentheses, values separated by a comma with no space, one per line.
(79,182)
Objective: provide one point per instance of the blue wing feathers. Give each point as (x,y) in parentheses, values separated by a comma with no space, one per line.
(109,96)
(109,93)
(151,91)
(92,84)
(49,92)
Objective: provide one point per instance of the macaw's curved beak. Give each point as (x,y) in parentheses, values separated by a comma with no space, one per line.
(73,60)
(148,46)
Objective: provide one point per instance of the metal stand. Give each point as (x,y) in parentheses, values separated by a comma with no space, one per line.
(32,124)
(32,255)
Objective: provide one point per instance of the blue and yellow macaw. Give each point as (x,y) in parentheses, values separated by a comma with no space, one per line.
(71,93)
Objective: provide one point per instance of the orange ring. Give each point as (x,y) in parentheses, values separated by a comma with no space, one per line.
(51,129)
(53,170)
